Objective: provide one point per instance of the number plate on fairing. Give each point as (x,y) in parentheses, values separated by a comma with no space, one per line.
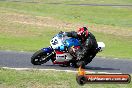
(63,57)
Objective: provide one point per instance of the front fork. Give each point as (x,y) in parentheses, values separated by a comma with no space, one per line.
(51,52)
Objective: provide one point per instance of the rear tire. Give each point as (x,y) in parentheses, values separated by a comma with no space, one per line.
(81,63)
(77,64)
(38,58)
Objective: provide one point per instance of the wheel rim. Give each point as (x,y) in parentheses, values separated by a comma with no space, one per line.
(37,60)
(41,58)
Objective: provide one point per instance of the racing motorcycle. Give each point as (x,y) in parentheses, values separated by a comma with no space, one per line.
(58,52)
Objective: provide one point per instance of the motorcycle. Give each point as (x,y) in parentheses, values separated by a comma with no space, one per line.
(58,52)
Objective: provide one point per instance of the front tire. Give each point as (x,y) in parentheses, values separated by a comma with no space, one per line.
(39,58)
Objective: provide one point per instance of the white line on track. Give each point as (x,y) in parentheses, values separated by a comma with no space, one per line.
(89,72)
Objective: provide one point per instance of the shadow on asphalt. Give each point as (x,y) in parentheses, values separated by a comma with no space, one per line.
(99,68)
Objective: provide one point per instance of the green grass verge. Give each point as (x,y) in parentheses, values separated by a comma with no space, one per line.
(46,79)
(78,1)
(23,42)
(116,46)
(20,28)
(97,1)
(86,14)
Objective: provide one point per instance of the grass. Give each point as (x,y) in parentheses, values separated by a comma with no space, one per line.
(115,46)
(99,2)
(29,26)
(46,79)
(79,1)
(104,15)
(26,43)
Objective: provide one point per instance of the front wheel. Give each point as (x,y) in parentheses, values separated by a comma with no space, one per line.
(39,57)
(77,64)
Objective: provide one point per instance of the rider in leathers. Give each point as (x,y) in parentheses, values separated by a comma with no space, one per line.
(88,43)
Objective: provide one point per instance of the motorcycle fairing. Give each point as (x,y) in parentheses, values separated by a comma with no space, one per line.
(62,56)
(72,42)
(48,50)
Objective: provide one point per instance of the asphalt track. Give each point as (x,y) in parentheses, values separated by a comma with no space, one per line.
(14,59)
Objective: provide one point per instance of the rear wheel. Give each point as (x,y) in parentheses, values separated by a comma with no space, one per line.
(83,62)
(39,57)
(77,64)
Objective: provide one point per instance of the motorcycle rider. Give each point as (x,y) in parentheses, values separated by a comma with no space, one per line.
(88,43)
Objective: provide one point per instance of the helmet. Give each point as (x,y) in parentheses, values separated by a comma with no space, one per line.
(82,32)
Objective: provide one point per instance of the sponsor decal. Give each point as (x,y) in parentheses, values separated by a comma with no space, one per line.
(83,78)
